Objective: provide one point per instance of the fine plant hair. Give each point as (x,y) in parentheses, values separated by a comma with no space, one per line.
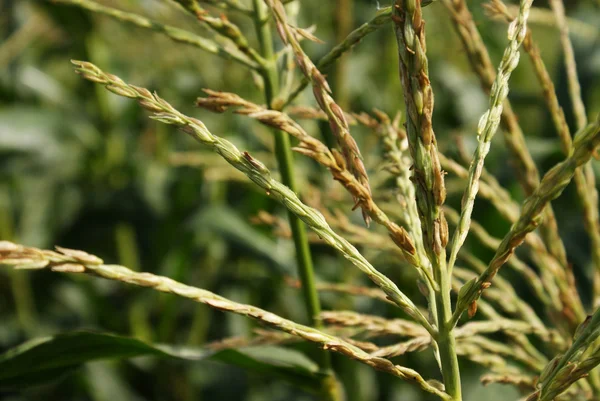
(469,311)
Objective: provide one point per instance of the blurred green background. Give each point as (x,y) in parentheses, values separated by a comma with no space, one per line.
(84,169)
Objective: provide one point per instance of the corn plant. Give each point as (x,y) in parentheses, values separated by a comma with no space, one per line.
(469,310)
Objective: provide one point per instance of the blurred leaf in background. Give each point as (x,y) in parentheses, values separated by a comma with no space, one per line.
(84,169)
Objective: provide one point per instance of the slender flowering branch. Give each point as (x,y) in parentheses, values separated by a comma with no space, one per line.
(488,124)
(545,17)
(374,325)
(227,5)
(481,63)
(470,340)
(395,145)
(257,172)
(505,205)
(503,294)
(574,364)
(285,162)
(74,261)
(224,27)
(379,326)
(382,18)
(527,172)
(498,10)
(563,301)
(569,58)
(316,150)
(430,190)
(551,186)
(349,289)
(551,268)
(518,339)
(514,338)
(173,33)
(428,176)
(322,92)
(529,275)
(584,178)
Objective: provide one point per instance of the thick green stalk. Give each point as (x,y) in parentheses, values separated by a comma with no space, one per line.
(445,339)
(283,152)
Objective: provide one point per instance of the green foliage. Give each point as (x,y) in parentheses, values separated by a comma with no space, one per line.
(83,168)
(48,359)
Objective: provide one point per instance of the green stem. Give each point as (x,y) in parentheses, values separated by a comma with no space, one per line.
(283,152)
(445,337)
(19,280)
